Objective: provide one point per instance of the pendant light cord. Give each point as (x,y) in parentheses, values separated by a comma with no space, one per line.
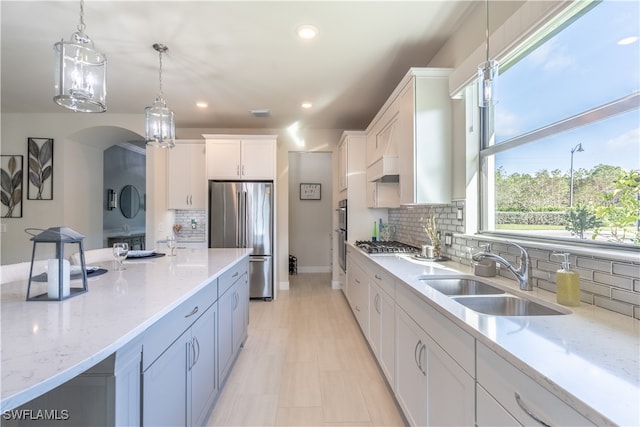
(81,25)
(160,74)
(487,26)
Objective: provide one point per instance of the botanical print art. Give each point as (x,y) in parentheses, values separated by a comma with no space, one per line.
(11,171)
(40,169)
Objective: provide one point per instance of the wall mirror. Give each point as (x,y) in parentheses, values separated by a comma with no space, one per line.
(129,201)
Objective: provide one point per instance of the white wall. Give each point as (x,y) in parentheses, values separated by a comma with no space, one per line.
(310,221)
(79,143)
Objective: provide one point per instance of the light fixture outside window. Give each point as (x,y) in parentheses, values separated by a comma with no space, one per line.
(80,73)
(159,120)
(487,73)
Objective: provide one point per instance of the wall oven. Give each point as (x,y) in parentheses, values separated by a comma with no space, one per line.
(342,234)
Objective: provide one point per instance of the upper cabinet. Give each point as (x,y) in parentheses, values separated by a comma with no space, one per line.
(409,140)
(241,157)
(186,183)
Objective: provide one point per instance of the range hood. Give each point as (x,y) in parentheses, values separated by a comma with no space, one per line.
(385,169)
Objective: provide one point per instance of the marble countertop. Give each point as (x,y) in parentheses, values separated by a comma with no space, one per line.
(44,344)
(589,358)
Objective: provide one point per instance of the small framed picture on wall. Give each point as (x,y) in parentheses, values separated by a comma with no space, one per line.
(310,191)
(40,182)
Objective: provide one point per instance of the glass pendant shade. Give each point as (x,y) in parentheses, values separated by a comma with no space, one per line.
(80,75)
(487,77)
(160,128)
(159,125)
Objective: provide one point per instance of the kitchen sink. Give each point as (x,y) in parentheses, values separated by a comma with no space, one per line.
(506,305)
(462,286)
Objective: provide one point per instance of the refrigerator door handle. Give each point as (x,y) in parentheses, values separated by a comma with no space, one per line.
(238,218)
(244,220)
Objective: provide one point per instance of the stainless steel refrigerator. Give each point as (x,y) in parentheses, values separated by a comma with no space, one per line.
(241,216)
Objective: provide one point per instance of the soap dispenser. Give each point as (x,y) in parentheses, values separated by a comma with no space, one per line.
(485,267)
(567,282)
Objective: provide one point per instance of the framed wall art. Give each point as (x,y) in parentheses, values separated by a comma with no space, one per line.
(310,191)
(40,182)
(11,196)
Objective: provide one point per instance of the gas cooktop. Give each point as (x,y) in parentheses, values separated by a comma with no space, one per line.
(386,247)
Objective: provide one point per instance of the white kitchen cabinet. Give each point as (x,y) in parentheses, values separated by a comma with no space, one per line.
(358,293)
(522,397)
(180,386)
(383,195)
(382,331)
(490,413)
(241,157)
(431,387)
(233,308)
(415,125)
(343,164)
(186,180)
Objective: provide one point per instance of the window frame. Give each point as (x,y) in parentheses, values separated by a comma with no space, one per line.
(487,149)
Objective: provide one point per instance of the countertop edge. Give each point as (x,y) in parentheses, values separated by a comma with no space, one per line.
(13,401)
(547,383)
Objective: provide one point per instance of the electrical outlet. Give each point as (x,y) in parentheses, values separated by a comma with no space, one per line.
(448,239)
(460,214)
(194,224)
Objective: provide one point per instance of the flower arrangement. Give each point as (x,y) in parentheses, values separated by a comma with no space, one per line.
(430,227)
(177,228)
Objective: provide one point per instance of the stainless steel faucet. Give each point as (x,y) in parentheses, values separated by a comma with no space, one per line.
(523,273)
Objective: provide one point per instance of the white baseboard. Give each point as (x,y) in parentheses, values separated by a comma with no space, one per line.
(335,284)
(283,286)
(312,269)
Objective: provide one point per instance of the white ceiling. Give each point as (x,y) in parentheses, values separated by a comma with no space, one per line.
(236,55)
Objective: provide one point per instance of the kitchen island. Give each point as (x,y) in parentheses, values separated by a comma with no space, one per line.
(579,368)
(47,344)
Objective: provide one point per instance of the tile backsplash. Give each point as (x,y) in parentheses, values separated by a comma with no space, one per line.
(188,234)
(607,283)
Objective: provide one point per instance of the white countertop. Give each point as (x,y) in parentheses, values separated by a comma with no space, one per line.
(44,344)
(589,358)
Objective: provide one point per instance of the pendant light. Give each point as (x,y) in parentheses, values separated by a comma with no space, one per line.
(487,73)
(159,121)
(80,73)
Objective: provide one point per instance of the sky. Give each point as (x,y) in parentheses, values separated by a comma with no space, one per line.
(582,67)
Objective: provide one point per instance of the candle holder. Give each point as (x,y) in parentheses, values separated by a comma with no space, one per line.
(58,272)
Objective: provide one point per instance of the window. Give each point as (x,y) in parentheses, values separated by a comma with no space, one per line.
(561,154)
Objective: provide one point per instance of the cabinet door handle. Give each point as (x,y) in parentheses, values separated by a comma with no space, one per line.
(235,274)
(191,199)
(238,170)
(187,200)
(242,170)
(196,351)
(424,347)
(194,311)
(357,281)
(190,355)
(415,353)
(377,277)
(357,308)
(376,303)
(528,411)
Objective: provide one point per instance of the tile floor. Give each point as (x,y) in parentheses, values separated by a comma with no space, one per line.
(305,363)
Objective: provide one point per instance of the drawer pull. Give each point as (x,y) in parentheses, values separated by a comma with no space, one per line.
(194,311)
(377,277)
(236,274)
(528,411)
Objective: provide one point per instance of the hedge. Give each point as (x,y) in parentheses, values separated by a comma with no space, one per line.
(533,218)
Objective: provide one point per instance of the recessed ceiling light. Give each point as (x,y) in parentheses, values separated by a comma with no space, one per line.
(627,40)
(202,104)
(307,32)
(307,105)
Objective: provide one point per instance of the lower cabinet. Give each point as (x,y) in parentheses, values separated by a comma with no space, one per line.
(233,317)
(180,386)
(518,395)
(431,387)
(358,293)
(382,330)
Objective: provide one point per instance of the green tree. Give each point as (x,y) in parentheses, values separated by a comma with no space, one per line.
(581,218)
(620,208)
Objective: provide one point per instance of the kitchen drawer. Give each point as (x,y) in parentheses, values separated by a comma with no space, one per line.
(504,382)
(382,278)
(159,336)
(229,277)
(456,342)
